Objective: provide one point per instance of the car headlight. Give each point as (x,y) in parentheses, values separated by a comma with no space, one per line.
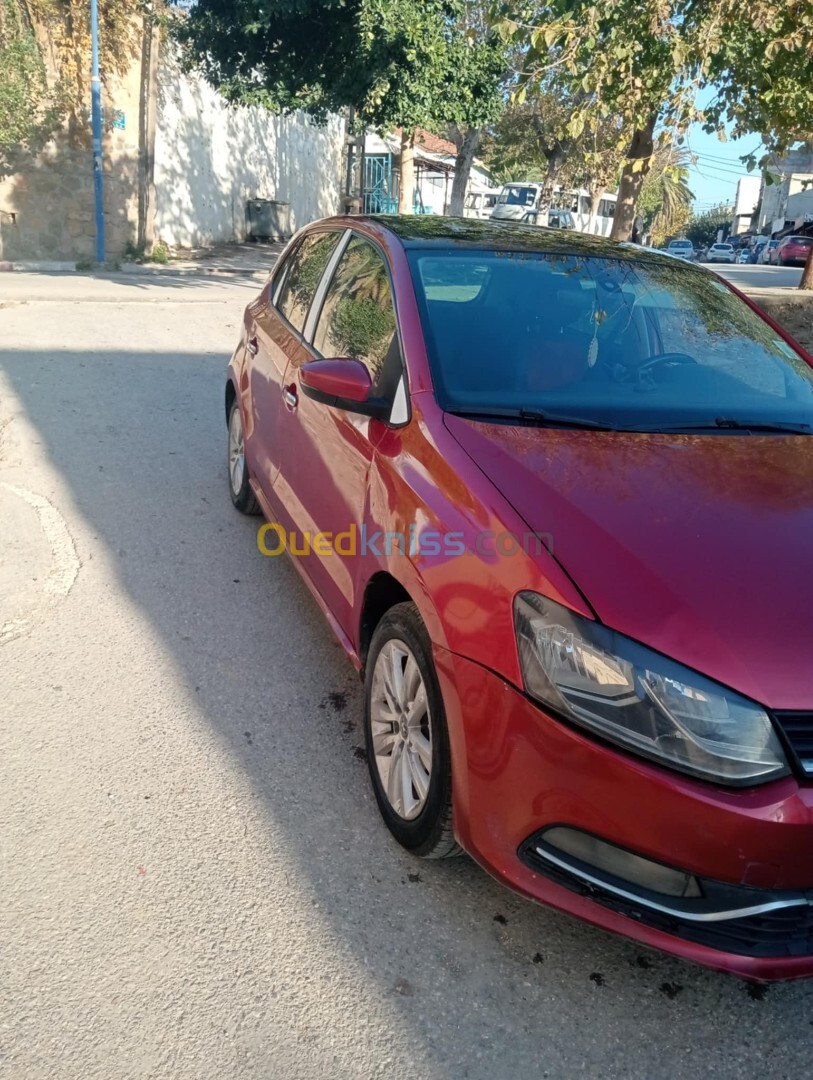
(641,700)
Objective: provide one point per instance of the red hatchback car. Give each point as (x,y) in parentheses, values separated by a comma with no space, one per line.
(793,250)
(555,498)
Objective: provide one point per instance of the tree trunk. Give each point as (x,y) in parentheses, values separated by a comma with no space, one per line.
(629,190)
(406,193)
(467,147)
(807,273)
(596,195)
(148,105)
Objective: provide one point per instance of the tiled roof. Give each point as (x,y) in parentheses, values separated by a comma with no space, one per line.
(433,143)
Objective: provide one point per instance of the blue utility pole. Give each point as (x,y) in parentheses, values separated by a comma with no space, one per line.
(96,119)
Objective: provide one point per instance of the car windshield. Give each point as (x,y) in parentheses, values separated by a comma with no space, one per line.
(680,244)
(618,342)
(517,196)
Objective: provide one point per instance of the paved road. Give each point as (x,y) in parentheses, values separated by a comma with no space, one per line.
(759,277)
(195,882)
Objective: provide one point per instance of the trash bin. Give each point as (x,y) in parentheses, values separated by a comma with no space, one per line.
(267,219)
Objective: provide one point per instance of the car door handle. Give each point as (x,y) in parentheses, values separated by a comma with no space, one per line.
(289,397)
(253,346)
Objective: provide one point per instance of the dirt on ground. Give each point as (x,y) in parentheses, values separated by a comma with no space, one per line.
(795,316)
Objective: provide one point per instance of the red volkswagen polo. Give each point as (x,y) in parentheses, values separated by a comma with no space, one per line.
(555,498)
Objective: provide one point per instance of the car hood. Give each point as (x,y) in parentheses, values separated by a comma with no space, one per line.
(697,545)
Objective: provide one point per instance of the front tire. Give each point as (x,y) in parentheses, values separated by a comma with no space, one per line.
(239,487)
(406,736)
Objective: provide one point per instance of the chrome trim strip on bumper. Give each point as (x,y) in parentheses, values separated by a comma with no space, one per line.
(678,913)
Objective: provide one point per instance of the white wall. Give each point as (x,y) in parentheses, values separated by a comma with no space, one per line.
(210,158)
(800,207)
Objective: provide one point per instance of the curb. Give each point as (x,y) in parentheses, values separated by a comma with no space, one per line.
(184,270)
(776,297)
(39,267)
(187,269)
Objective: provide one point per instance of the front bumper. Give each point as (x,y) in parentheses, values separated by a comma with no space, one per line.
(518,770)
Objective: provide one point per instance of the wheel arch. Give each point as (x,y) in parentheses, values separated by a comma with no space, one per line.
(231,395)
(382,592)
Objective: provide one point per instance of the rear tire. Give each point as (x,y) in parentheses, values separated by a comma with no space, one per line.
(239,487)
(406,736)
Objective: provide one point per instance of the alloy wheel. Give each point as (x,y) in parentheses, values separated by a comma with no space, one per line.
(237,455)
(401,729)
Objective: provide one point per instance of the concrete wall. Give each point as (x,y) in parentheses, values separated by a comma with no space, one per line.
(210,158)
(800,207)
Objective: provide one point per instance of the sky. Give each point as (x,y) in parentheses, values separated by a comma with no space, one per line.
(714,179)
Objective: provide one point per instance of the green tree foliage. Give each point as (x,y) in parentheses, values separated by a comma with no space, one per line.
(37,97)
(29,108)
(621,59)
(665,202)
(531,141)
(644,61)
(397,63)
(762,70)
(702,229)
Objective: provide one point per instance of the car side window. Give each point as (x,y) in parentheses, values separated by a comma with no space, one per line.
(358,316)
(302,275)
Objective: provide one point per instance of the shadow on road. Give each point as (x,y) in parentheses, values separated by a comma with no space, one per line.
(441,941)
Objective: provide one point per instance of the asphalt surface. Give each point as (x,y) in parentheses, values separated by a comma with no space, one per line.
(759,277)
(195,882)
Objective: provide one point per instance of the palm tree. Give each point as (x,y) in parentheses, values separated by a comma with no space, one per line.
(666,197)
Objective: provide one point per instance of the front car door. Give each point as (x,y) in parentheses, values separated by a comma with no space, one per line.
(274,339)
(328,452)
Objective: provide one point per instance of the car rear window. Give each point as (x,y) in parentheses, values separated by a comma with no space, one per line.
(583,335)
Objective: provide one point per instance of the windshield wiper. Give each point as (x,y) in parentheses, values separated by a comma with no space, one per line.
(535,416)
(730,423)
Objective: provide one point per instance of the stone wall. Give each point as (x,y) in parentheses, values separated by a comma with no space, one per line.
(208,160)
(48,211)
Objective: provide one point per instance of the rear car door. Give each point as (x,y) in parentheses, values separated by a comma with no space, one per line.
(328,451)
(274,340)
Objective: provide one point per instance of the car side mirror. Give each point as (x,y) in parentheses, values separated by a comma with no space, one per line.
(342,384)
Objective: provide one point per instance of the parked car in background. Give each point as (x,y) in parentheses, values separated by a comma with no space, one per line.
(793,250)
(757,249)
(767,256)
(681,249)
(480,204)
(525,477)
(555,218)
(744,255)
(721,253)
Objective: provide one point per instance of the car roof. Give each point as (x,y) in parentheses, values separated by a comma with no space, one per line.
(433,231)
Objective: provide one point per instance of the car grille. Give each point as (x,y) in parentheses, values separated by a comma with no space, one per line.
(785,932)
(797,728)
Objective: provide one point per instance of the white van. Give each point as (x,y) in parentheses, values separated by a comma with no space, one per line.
(517,202)
(479,204)
(520,202)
